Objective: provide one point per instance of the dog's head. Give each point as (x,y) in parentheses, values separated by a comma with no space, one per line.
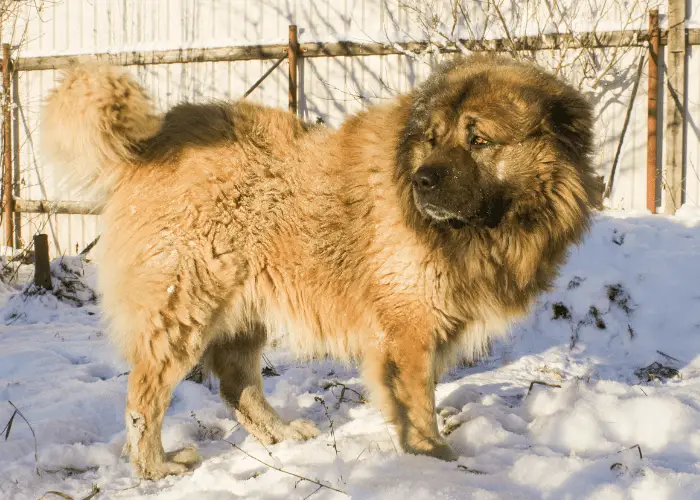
(490,142)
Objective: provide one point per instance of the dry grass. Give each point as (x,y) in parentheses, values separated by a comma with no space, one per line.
(8,428)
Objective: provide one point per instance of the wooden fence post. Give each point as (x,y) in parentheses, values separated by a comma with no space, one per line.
(8,214)
(292,53)
(42,267)
(653,88)
(16,147)
(675,111)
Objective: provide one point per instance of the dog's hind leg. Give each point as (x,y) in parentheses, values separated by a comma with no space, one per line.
(161,322)
(150,387)
(235,359)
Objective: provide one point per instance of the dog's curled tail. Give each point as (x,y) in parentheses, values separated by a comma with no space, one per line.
(91,126)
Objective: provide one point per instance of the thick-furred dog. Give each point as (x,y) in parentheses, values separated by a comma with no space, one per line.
(417,230)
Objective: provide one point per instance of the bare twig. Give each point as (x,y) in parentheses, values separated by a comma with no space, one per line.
(87,249)
(473,471)
(639,449)
(95,490)
(69,471)
(539,382)
(16,318)
(312,493)
(278,469)
(574,51)
(369,447)
(669,357)
(320,400)
(344,388)
(58,494)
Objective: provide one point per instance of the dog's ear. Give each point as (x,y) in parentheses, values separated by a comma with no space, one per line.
(570,121)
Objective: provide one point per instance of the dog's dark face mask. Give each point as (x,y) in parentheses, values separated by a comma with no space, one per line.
(488,145)
(451,187)
(463,173)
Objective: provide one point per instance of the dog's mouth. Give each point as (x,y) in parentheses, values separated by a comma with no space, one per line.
(441,216)
(490,215)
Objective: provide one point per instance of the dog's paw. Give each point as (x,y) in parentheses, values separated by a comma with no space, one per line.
(300,430)
(443,452)
(447,412)
(175,463)
(451,424)
(435,448)
(159,470)
(187,456)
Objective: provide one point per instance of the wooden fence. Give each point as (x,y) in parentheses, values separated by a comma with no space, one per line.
(678,38)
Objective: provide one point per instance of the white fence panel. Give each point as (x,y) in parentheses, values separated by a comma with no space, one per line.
(330,88)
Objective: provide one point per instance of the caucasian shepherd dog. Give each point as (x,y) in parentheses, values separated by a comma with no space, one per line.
(417,230)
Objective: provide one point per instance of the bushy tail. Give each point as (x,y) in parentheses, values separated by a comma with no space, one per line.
(90,124)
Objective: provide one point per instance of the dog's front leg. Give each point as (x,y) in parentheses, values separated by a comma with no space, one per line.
(400,370)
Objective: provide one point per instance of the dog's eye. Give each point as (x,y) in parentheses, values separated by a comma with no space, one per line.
(477,140)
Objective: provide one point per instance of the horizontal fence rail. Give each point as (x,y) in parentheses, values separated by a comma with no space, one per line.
(345,49)
(56,207)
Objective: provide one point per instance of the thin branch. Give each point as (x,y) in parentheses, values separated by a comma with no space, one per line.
(320,400)
(312,493)
(539,382)
(303,478)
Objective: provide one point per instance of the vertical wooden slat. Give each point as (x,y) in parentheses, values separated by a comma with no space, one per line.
(675,92)
(8,215)
(625,124)
(292,53)
(653,87)
(16,149)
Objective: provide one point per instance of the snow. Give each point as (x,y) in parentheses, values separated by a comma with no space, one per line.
(627,298)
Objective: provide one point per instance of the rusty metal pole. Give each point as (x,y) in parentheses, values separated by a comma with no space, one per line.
(7,145)
(653,89)
(292,52)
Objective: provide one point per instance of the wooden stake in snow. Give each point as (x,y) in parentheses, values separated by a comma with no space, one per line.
(42,268)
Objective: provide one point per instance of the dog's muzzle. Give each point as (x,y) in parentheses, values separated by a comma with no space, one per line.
(440,197)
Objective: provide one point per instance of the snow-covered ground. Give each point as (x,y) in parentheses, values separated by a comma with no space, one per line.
(628,298)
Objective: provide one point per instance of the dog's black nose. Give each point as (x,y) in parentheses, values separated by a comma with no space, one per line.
(428,177)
